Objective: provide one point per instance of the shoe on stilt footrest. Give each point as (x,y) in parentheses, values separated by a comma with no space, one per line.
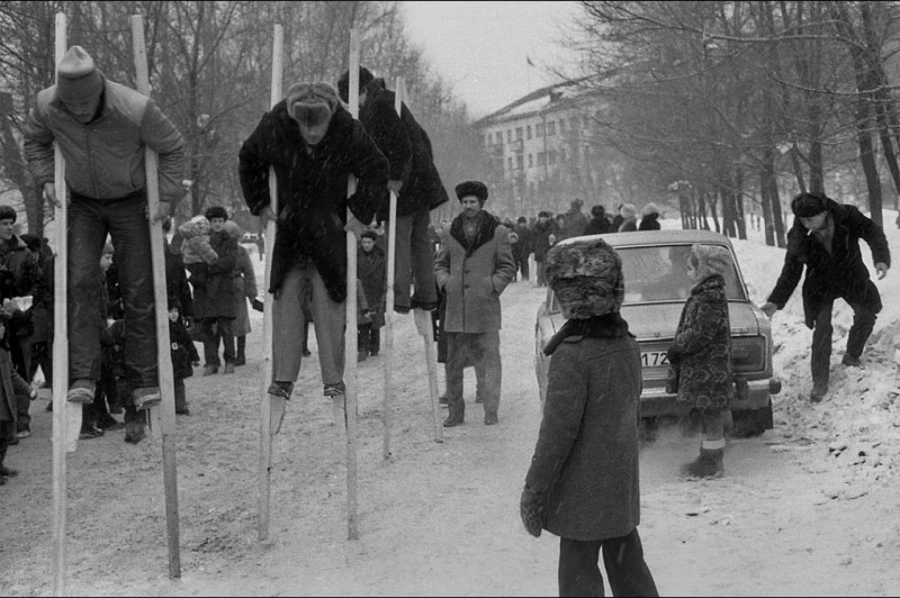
(281,389)
(146,397)
(81,391)
(337,388)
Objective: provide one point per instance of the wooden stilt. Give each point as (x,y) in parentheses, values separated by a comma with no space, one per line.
(163,416)
(350,338)
(271,409)
(65,414)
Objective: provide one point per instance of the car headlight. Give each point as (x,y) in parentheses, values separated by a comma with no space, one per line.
(748,354)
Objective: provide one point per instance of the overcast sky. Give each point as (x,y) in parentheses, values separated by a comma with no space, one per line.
(481,47)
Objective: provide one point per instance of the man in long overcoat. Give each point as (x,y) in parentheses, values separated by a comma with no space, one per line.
(371,269)
(474,266)
(825,240)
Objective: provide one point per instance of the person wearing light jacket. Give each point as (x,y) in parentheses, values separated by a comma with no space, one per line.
(103,129)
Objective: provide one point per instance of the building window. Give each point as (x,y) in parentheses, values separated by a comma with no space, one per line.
(531,189)
(542,159)
(552,157)
(562,126)
(499,138)
(518,133)
(539,130)
(528,132)
(509,163)
(520,162)
(551,128)
(530,161)
(508,135)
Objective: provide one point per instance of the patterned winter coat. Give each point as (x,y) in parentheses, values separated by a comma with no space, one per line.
(585,462)
(700,355)
(214,283)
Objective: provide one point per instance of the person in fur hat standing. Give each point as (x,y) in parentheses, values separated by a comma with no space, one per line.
(583,484)
(314,145)
(102,129)
(413,177)
(825,240)
(700,355)
(473,267)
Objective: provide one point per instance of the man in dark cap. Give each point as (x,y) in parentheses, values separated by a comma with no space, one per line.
(371,270)
(825,237)
(314,145)
(473,267)
(415,180)
(102,130)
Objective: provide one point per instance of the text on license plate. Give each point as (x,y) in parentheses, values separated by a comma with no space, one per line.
(651,359)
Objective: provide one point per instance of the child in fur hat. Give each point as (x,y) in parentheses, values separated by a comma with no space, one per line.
(583,481)
(195,247)
(700,355)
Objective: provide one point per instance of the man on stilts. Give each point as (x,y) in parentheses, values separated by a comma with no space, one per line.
(314,145)
(103,129)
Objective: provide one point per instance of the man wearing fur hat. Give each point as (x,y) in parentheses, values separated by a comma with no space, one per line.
(825,239)
(583,483)
(473,267)
(102,129)
(413,177)
(314,145)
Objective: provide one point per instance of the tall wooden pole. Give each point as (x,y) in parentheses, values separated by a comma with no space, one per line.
(61,407)
(271,409)
(165,412)
(389,303)
(350,332)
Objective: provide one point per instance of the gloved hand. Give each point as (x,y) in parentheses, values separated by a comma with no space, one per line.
(769,308)
(257,304)
(531,507)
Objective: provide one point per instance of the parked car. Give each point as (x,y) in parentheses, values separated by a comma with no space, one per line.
(656,289)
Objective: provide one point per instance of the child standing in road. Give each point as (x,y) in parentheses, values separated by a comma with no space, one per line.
(583,483)
(10,384)
(700,356)
(184,357)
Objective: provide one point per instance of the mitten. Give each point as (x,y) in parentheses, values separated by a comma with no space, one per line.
(531,507)
(256,304)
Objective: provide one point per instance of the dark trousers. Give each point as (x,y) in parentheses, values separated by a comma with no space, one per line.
(90,220)
(541,276)
(481,350)
(7,434)
(623,559)
(414,261)
(219,331)
(863,322)
(522,265)
(180,396)
(40,355)
(369,339)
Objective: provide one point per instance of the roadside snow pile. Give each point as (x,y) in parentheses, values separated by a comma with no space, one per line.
(856,427)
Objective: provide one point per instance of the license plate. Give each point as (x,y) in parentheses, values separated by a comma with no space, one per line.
(651,359)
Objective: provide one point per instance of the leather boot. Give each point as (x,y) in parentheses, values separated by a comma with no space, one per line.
(457,415)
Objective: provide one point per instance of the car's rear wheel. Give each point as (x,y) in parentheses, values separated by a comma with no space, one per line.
(749,423)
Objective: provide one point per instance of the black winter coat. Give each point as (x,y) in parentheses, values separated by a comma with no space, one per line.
(184,353)
(213,283)
(839,273)
(408,149)
(312,190)
(540,238)
(598,226)
(371,269)
(650,222)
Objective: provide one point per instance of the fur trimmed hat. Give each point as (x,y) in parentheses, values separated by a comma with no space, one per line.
(79,79)
(369,234)
(586,278)
(365,77)
(311,103)
(628,211)
(649,209)
(711,259)
(216,212)
(8,213)
(469,188)
(543,214)
(807,205)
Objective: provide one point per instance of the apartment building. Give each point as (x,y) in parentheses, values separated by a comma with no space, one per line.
(541,151)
